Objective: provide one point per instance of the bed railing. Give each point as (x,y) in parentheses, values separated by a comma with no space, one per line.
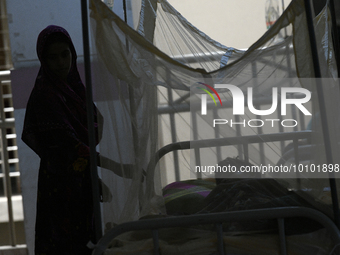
(218,218)
(245,141)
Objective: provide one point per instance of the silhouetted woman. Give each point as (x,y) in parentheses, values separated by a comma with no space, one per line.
(56,129)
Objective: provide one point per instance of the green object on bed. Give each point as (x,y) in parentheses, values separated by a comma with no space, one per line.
(187,197)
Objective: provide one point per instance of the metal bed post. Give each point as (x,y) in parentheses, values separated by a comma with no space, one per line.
(302,121)
(246,152)
(207,80)
(279,116)
(195,137)
(173,132)
(259,129)
(297,159)
(217,132)
(220,244)
(155,237)
(296,151)
(238,134)
(282,236)
(90,121)
(327,139)
(289,66)
(294,115)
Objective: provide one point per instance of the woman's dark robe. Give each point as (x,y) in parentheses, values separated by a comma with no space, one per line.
(55,128)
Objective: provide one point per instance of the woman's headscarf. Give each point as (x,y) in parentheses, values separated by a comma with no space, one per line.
(55,105)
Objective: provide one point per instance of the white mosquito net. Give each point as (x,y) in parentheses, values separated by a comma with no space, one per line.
(143,86)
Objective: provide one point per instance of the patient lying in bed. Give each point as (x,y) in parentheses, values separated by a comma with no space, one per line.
(234,194)
(223,195)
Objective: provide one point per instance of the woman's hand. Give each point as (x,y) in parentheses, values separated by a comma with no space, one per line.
(104,191)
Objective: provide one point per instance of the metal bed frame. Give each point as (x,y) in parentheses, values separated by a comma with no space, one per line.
(244,141)
(218,218)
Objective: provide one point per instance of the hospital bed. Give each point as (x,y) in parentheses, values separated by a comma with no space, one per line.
(289,229)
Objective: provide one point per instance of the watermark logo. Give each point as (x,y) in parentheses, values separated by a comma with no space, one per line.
(282,96)
(204,97)
(239,103)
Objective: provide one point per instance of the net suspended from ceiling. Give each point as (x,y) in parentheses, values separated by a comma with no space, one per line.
(133,69)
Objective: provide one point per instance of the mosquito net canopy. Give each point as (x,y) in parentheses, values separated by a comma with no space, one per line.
(153,80)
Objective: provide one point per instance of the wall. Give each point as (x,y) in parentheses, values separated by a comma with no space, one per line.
(236,24)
